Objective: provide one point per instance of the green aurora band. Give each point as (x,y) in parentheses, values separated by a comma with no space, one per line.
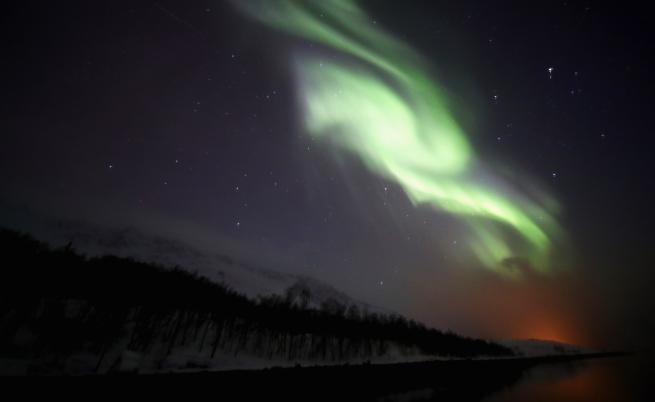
(370,94)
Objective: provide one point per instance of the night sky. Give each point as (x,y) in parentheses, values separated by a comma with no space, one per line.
(185,117)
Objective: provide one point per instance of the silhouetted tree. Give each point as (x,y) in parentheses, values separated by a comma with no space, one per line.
(56,303)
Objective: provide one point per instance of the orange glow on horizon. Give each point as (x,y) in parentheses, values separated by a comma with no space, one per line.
(549,330)
(543,308)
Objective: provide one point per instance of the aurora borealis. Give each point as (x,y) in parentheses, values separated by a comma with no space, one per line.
(373,98)
(479,166)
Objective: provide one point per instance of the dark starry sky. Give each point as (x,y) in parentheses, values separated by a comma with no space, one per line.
(185,112)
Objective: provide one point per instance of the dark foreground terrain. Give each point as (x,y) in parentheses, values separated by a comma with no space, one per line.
(467,380)
(64,313)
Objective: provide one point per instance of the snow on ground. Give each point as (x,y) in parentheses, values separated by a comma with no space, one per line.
(96,240)
(537,347)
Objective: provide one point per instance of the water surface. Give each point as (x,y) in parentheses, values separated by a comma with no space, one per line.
(627,378)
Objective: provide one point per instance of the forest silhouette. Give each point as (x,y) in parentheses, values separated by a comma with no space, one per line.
(57,303)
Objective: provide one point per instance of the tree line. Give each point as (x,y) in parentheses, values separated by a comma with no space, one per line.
(56,303)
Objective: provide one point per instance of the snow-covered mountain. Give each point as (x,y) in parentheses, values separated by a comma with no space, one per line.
(538,347)
(253,281)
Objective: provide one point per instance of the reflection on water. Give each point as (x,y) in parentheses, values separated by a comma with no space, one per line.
(621,379)
(599,380)
(564,378)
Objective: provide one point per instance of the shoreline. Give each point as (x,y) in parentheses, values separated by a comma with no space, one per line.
(427,364)
(458,380)
(465,379)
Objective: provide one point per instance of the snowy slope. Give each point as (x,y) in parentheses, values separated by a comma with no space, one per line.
(537,347)
(252,281)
